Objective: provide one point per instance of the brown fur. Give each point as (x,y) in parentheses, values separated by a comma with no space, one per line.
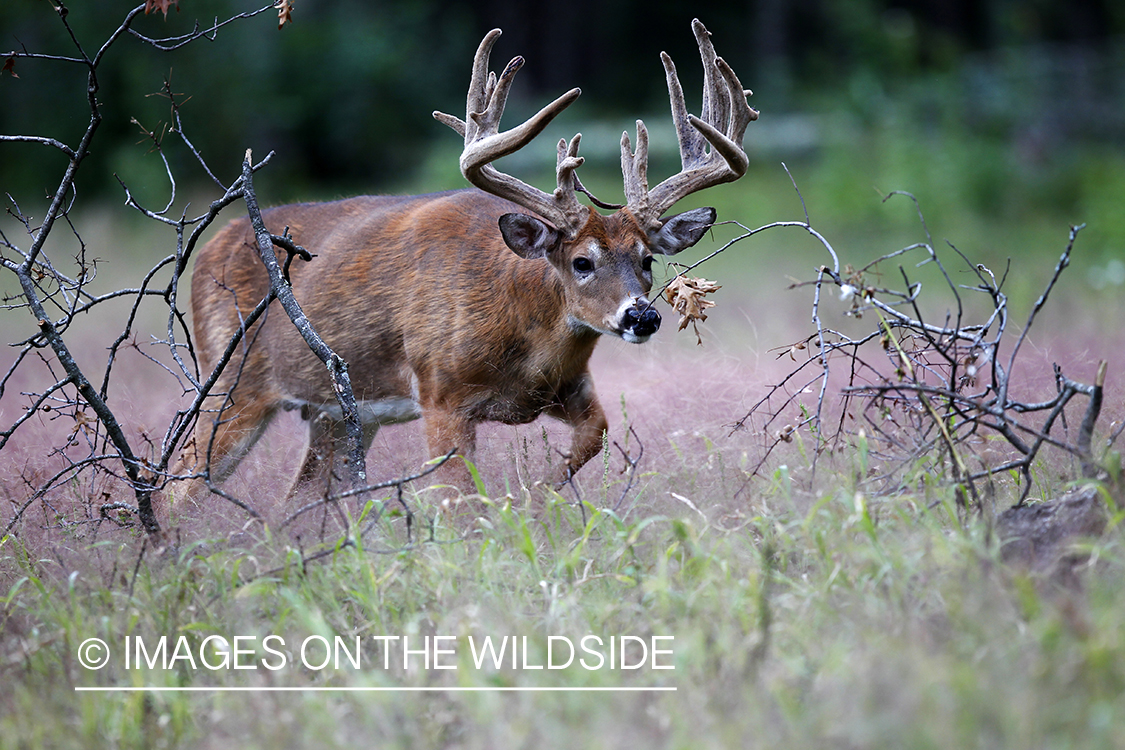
(426,303)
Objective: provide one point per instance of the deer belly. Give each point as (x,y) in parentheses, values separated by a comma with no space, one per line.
(515,408)
(384,411)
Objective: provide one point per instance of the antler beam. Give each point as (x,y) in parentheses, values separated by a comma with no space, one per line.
(484,144)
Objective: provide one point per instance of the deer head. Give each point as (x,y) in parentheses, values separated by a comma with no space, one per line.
(605,262)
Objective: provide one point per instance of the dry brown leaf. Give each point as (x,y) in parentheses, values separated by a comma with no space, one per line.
(686,296)
(83,423)
(152,6)
(284,12)
(9,67)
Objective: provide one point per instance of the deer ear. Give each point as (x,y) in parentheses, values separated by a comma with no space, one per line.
(681,231)
(527,236)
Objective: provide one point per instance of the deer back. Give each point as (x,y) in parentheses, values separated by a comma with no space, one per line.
(422,297)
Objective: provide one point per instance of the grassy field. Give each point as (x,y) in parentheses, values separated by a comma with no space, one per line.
(793,608)
(796,619)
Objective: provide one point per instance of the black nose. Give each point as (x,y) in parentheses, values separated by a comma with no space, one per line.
(642,319)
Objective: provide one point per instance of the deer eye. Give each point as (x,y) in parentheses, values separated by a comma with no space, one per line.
(583,265)
(646,264)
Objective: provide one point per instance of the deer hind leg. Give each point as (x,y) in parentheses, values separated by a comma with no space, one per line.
(220,442)
(326,455)
(325,461)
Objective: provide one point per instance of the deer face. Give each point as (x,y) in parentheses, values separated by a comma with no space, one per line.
(604,263)
(606,269)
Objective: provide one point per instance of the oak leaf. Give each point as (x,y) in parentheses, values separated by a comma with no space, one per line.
(284,12)
(686,296)
(151,6)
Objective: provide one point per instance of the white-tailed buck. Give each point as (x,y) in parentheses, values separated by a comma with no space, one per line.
(460,307)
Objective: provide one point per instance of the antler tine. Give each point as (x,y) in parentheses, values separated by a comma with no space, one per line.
(634,166)
(484,143)
(721,126)
(482,84)
(566,167)
(712,109)
(691,146)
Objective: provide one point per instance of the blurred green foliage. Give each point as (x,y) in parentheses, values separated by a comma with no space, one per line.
(1000,110)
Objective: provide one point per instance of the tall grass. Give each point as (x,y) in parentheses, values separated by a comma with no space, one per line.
(822,620)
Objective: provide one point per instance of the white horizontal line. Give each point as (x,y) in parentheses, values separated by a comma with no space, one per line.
(290,689)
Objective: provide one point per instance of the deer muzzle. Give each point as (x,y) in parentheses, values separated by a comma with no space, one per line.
(639,321)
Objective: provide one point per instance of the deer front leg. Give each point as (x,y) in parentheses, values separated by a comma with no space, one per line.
(582,411)
(447,429)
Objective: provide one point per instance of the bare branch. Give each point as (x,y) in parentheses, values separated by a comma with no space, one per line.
(337,367)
